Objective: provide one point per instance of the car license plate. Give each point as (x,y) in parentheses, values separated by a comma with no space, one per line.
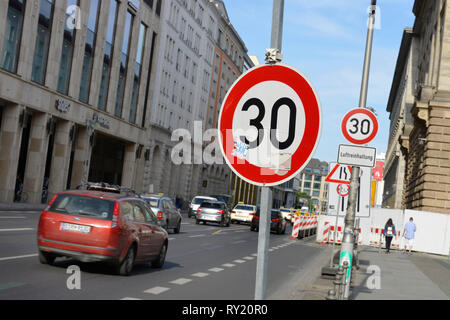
(76,228)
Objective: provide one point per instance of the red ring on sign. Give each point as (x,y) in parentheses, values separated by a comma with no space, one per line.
(313,121)
(339,190)
(372,117)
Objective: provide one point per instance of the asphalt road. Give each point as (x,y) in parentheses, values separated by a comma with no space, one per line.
(204,262)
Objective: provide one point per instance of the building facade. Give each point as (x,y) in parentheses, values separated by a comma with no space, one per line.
(426,145)
(199,58)
(400,103)
(75,89)
(312,183)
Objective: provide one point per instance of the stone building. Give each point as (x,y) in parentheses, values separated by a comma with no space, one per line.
(426,143)
(75,88)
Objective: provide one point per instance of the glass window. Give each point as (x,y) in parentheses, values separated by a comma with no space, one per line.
(13,34)
(65,66)
(80,205)
(89,52)
(137,73)
(107,58)
(126,210)
(317,186)
(123,65)
(42,41)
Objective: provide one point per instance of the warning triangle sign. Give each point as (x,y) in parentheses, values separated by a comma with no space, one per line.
(339,174)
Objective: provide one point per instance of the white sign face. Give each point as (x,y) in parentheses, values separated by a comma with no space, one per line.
(337,203)
(267,154)
(357,156)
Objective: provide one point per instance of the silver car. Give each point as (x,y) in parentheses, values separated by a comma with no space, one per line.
(168,215)
(213,211)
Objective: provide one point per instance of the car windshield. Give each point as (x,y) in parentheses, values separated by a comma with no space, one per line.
(211,205)
(82,205)
(152,202)
(242,207)
(199,200)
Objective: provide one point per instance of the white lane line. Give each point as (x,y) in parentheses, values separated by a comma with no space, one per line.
(197,236)
(19,257)
(239,241)
(239,261)
(17,229)
(130,298)
(254,254)
(228,265)
(156,290)
(200,274)
(12,217)
(248,258)
(171,238)
(270,250)
(215,269)
(181,281)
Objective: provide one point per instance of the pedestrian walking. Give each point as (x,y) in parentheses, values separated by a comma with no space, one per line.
(389,234)
(408,233)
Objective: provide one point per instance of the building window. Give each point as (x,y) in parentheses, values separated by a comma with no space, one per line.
(137,73)
(88,61)
(123,64)
(65,66)
(107,58)
(149,3)
(13,34)
(158,8)
(147,93)
(42,41)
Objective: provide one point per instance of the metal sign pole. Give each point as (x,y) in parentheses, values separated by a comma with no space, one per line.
(263,243)
(348,240)
(266,192)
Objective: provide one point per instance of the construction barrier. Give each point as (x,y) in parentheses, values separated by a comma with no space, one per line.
(326,233)
(296,229)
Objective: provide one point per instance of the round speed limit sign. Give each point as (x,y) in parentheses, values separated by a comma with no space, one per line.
(360,126)
(269,124)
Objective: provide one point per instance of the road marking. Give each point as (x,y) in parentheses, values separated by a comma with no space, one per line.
(217,232)
(200,274)
(254,254)
(215,269)
(270,250)
(12,217)
(19,257)
(129,298)
(239,261)
(171,239)
(181,281)
(249,258)
(228,265)
(156,290)
(197,236)
(17,229)
(239,241)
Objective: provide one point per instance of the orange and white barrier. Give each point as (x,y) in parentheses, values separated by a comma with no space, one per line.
(339,234)
(325,233)
(295,229)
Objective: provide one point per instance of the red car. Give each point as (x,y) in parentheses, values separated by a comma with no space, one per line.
(92,226)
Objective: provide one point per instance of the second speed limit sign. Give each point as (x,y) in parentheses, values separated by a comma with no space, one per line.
(360,126)
(269,124)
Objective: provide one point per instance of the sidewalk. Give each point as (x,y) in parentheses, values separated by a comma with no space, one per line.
(402,277)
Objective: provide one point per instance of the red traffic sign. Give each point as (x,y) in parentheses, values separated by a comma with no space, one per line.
(339,174)
(343,190)
(360,126)
(269,124)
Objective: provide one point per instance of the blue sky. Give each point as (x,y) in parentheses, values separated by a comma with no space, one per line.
(326,40)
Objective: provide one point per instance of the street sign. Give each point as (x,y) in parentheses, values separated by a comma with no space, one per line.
(269,124)
(357,156)
(338,193)
(360,126)
(339,174)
